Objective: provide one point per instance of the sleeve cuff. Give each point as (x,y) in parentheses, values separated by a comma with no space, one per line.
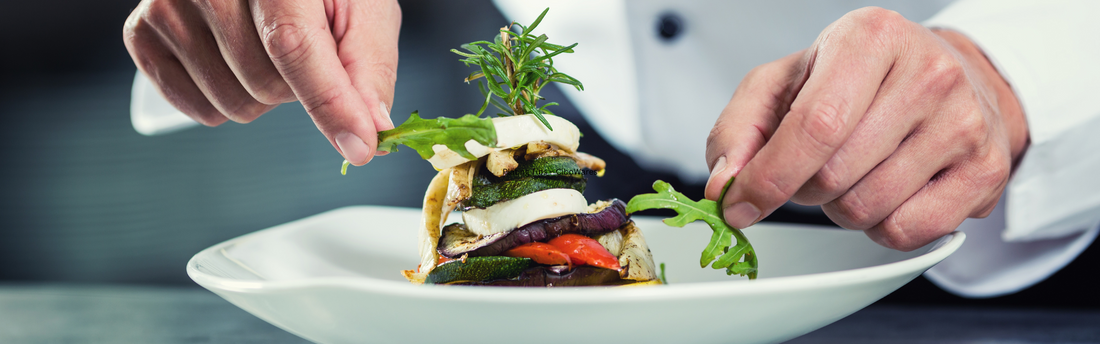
(987,266)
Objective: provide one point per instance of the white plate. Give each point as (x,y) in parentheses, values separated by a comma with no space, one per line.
(333,278)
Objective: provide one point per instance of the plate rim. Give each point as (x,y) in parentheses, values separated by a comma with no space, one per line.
(944,246)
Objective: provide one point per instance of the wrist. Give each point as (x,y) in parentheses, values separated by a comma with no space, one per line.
(1002,97)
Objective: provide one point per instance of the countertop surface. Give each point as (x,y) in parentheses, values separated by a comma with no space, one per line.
(32,313)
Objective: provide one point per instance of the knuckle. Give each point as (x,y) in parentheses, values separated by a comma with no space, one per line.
(285,39)
(233,102)
(756,73)
(877,20)
(320,106)
(893,235)
(761,80)
(139,40)
(769,190)
(383,69)
(829,180)
(1001,171)
(274,90)
(973,130)
(855,213)
(907,230)
(965,132)
(247,111)
(877,26)
(208,116)
(824,186)
(991,173)
(999,167)
(238,105)
(944,73)
(130,26)
(195,106)
(823,123)
(162,14)
(156,9)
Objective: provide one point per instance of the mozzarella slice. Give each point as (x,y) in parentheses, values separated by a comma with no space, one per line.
(513,131)
(509,215)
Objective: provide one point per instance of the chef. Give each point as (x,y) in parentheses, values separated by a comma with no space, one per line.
(908,121)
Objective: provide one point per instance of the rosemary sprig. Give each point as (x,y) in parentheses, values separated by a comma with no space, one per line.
(516,66)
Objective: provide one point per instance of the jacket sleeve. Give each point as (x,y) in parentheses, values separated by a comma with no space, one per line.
(1047,51)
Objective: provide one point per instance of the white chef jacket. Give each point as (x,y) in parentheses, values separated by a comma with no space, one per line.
(657,99)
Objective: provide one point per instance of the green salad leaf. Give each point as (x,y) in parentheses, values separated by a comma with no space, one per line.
(421,134)
(739,258)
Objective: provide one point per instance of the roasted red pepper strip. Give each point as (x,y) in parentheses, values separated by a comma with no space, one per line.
(586,251)
(541,253)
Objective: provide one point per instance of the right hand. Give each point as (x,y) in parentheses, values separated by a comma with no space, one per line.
(218,60)
(893,128)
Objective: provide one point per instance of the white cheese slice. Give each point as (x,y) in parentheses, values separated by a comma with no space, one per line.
(509,215)
(513,131)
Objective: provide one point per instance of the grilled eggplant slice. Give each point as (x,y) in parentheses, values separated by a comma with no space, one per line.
(457,241)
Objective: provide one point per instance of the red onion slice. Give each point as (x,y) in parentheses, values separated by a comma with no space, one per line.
(456,240)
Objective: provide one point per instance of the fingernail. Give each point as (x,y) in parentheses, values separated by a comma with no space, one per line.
(741,214)
(719,166)
(385,114)
(353,147)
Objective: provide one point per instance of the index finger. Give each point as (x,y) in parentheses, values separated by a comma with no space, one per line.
(298,39)
(846,68)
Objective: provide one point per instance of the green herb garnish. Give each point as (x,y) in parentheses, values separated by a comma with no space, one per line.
(516,66)
(720,249)
(421,134)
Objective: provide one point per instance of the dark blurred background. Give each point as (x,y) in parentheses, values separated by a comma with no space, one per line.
(86,199)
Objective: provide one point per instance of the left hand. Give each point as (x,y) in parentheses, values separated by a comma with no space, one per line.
(893,128)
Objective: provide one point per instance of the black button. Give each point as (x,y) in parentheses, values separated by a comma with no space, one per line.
(670,26)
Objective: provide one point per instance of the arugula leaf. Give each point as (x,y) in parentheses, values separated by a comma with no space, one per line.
(421,134)
(736,259)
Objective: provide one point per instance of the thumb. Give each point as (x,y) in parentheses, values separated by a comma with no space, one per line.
(299,41)
(750,119)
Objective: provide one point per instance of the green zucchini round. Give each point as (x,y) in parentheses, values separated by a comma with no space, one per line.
(486,195)
(555,166)
(475,269)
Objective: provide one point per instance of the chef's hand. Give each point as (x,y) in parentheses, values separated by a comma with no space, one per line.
(893,128)
(219,60)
